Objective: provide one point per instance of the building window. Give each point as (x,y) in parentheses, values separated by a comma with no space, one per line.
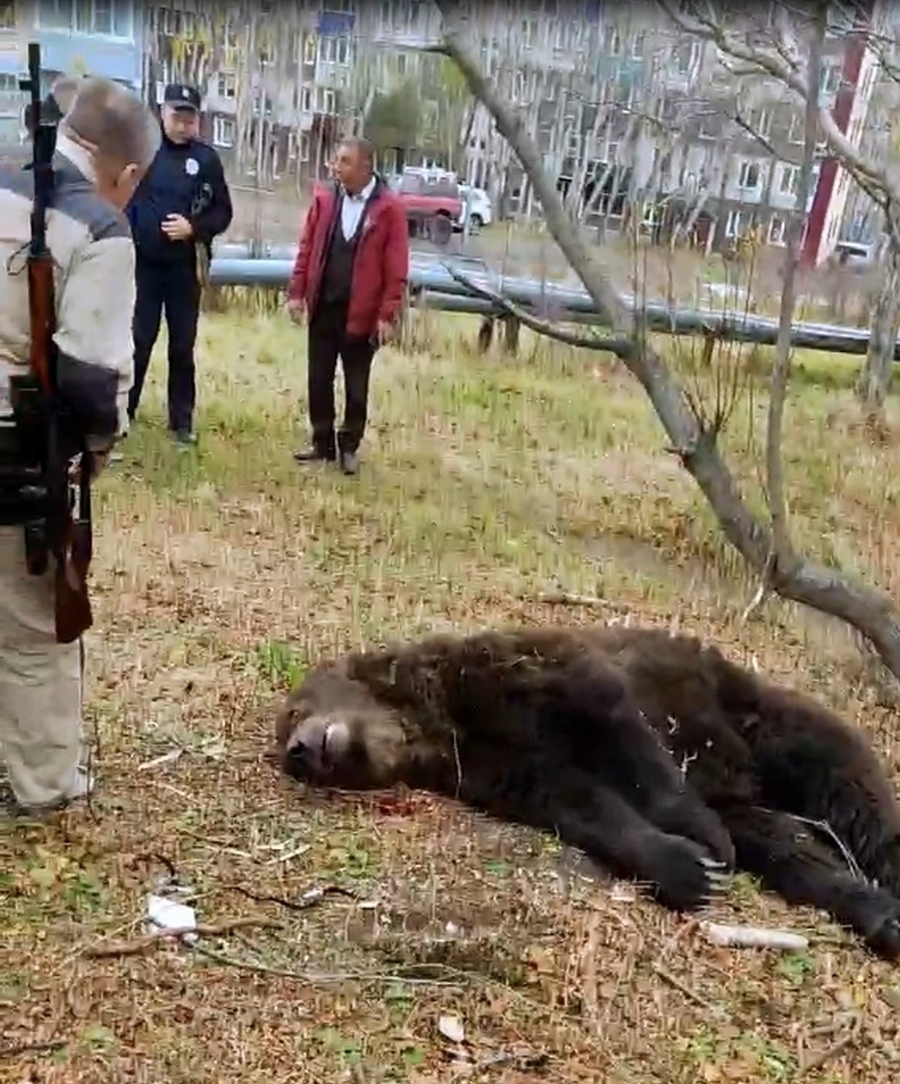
(831,80)
(777,231)
(687,59)
(762,123)
(310,49)
(749,176)
(56,14)
(733,224)
(305,100)
(111,18)
(790,178)
(334,50)
(7,15)
(227,86)
(709,129)
(612,41)
(223,131)
(325,100)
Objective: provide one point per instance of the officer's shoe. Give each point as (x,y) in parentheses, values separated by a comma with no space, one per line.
(315,455)
(184,438)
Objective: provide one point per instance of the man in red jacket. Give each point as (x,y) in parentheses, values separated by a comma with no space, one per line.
(349,281)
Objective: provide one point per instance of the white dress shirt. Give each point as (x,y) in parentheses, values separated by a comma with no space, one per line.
(353,207)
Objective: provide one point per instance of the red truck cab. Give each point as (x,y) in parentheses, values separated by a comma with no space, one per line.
(432,201)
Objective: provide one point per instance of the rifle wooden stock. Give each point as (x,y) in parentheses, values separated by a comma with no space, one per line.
(72,604)
(69,539)
(42,315)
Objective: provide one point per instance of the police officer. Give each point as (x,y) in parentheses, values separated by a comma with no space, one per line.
(104,145)
(181,205)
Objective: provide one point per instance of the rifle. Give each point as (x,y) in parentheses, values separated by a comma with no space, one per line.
(40,415)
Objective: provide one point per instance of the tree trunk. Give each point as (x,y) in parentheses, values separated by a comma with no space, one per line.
(870,611)
(875,379)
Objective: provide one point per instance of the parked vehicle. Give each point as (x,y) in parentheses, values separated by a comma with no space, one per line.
(432,201)
(477,209)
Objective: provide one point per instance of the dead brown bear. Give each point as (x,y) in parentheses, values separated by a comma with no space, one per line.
(652,753)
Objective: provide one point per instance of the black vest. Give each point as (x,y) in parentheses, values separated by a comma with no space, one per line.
(337,273)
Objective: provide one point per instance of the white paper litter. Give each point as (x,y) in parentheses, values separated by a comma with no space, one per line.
(451,1028)
(165,914)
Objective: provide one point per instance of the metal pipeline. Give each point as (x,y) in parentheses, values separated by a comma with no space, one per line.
(436,286)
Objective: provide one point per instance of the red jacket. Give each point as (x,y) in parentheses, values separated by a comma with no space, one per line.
(381,267)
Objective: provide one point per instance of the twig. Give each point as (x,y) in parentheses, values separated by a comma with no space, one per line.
(818,1060)
(139,944)
(690,994)
(823,826)
(307,899)
(313,978)
(563,598)
(686,928)
(13,1050)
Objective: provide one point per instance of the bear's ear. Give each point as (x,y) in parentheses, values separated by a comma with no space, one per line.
(285,715)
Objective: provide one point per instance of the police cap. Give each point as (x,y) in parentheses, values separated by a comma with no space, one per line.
(180,96)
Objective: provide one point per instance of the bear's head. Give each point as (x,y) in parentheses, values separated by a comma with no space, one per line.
(332,731)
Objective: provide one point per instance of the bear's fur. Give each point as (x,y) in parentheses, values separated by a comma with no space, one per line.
(652,753)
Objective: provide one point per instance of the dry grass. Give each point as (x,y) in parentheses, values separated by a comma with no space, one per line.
(220,572)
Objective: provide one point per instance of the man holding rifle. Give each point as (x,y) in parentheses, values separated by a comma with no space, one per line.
(66,304)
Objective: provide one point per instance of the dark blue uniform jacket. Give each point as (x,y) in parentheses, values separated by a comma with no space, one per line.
(184,179)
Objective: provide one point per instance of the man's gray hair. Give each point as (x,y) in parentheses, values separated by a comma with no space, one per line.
(115,120)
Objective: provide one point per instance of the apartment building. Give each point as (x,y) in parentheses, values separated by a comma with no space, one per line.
(672,123)
(624,107)
(95,37)
(281,88)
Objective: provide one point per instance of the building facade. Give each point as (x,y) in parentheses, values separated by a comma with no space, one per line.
(87,37)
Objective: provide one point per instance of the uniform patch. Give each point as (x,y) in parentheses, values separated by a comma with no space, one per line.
(192,167)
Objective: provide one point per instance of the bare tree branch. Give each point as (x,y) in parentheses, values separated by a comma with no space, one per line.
(620,347)
(778,59)
(870,611)
(782,549)
(766,145)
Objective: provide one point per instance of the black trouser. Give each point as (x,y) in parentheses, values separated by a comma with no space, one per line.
(327,341)
(175,287)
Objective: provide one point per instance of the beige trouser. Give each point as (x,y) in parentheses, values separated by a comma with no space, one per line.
(40,683)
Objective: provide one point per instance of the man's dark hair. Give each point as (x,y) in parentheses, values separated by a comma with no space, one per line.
(363,146)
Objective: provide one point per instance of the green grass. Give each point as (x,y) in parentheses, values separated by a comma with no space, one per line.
(221,572)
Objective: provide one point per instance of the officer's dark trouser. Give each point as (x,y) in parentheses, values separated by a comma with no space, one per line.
(175,287)
(328,340)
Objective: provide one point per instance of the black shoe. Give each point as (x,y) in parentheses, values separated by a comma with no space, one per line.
(349,462)
(314,455)
(184,437)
